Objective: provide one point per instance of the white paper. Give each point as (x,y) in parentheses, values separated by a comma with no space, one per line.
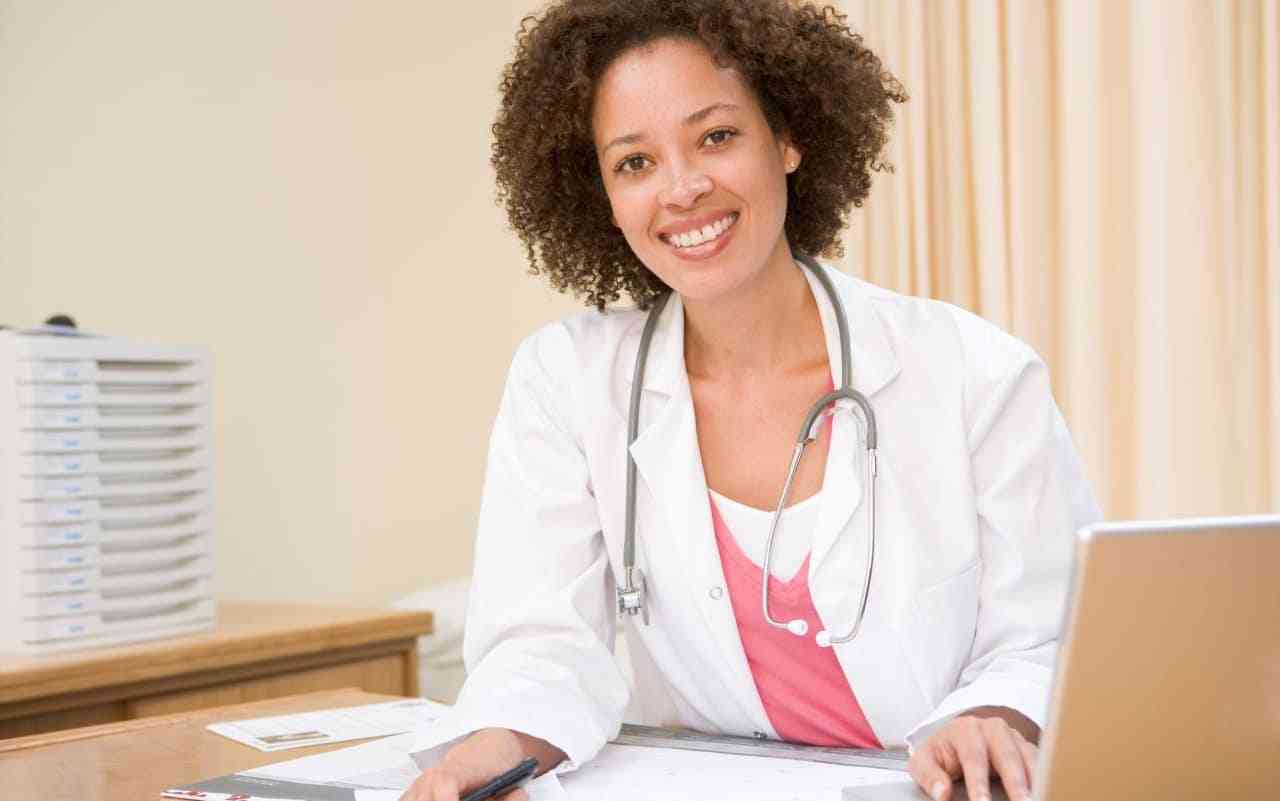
(624,772)
(282,732)
(544,788)
(382,764)
(381,771)
(214,796)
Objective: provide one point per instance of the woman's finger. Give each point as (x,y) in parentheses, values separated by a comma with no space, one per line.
(928,767)
(1006,758)
(1030,754)
(971,745)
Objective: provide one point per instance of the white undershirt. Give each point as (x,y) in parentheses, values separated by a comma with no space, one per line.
(750,529)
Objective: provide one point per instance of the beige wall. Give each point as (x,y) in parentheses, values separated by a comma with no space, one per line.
(303,186)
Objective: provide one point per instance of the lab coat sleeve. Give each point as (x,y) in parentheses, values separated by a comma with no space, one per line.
(1031,494)
(540,614)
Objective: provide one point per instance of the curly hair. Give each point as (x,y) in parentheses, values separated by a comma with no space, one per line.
(813,77)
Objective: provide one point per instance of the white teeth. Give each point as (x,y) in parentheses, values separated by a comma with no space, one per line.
(705,234)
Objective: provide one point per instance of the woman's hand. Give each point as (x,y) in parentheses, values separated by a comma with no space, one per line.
(469,764)
(972,746)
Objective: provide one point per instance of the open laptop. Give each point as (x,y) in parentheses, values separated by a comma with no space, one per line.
(1168,681)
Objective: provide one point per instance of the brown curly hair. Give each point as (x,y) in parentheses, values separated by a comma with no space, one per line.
(813,77)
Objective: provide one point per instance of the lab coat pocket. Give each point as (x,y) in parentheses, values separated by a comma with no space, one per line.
(939,636)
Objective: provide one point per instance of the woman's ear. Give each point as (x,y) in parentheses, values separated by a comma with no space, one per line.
(791,156)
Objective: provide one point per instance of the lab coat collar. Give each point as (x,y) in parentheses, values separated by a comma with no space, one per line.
(874,361)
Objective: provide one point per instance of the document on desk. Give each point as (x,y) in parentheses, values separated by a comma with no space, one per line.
(383,770)
(654,771)
(632,773)
(378,771)
(282,732)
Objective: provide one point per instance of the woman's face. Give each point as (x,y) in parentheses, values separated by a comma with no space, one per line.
(695,176)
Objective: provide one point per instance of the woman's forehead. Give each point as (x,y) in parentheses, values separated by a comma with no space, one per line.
(660,84)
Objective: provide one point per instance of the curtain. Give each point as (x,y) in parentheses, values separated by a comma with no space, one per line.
(1101,178)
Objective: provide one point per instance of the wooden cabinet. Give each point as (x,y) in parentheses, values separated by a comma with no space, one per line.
(258,651)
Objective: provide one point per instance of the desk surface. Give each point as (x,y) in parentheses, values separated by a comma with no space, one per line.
(135,760)
(246,633)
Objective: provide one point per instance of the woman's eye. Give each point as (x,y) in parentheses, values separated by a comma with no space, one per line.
(631,164)
(720,136)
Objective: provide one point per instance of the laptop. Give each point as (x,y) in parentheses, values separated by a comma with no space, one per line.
(1168,681)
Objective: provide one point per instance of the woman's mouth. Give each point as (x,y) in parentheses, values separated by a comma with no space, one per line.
(705,241)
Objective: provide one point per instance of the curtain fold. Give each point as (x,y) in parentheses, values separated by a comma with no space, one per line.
(1102,179)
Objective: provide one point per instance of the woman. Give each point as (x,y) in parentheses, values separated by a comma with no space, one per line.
(703,147)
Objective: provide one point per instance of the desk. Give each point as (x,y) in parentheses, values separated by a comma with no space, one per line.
(257,651)
(135,760)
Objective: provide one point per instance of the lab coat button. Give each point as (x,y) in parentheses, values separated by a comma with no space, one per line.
(716,593)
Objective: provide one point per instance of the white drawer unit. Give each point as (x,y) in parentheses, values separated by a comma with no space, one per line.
(106,491)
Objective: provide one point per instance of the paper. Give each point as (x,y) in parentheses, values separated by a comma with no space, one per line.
(334,776)
(909,792)
(206,795)
(544,788)
(383,769)
(622,772)
(380,765)
(376,771)
(331,725)
(379,771)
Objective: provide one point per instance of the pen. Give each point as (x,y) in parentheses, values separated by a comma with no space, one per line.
(504,782)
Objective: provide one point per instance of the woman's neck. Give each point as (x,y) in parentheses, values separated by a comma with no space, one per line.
(769,326)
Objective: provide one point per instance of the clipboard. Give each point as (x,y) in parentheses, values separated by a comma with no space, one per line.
(655,737)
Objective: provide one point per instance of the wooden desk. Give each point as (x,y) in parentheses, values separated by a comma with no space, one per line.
(257,651)
(136,760)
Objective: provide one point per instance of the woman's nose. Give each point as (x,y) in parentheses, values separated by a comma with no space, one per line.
(687,186)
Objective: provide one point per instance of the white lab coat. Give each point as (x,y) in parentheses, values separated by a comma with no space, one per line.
(978,494)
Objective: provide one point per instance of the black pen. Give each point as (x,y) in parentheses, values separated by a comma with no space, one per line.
(504,782)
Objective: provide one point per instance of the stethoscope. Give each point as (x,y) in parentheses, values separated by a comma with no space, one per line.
(631,598)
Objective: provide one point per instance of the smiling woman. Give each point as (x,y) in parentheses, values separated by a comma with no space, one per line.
(797,68)
(691,154)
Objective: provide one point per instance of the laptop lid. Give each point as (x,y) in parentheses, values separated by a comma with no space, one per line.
(1168,681)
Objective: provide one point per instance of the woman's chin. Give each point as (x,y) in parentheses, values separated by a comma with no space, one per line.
(707,288)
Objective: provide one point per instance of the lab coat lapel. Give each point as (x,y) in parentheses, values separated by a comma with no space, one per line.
(874,366)
(835,583)
(669,464)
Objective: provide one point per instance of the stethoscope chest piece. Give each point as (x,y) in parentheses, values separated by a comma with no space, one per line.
(634,598)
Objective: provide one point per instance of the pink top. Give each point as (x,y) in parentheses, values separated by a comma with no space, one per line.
(803,689)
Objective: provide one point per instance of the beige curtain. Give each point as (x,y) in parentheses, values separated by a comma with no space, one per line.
(1102,179)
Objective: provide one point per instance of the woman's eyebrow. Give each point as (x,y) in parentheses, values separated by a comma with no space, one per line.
(693,119)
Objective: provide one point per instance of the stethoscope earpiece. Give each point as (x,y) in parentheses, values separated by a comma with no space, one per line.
(798,627)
